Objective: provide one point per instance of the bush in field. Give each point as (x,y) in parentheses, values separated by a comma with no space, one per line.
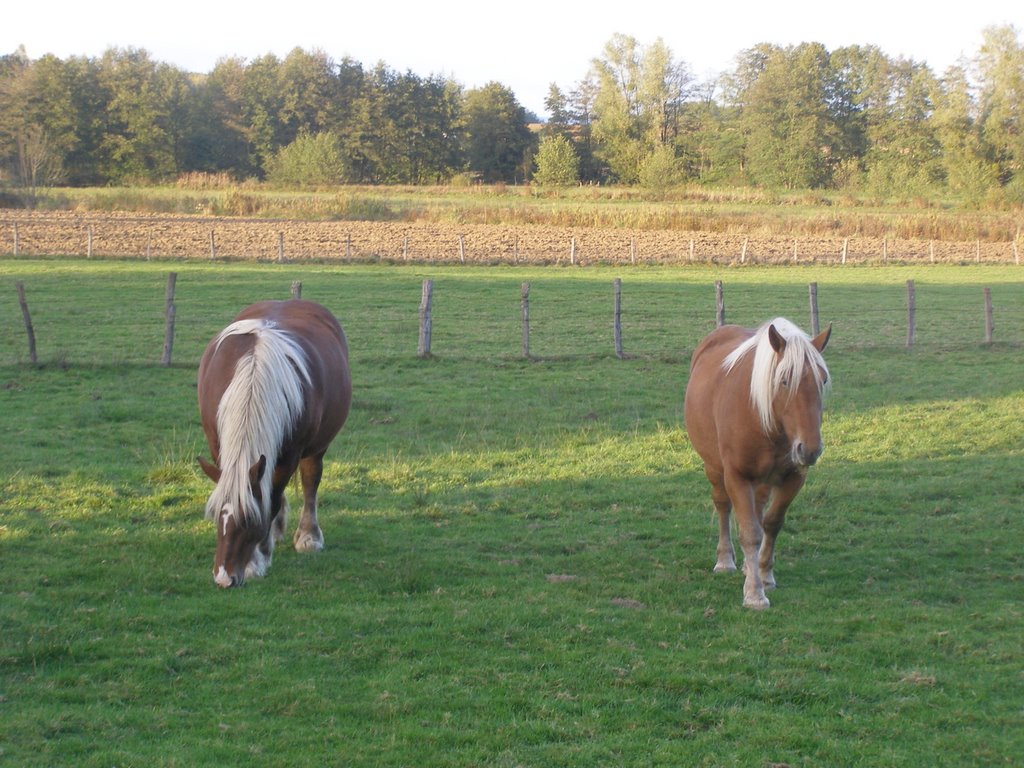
(309,160)
(661,170)
(558,165)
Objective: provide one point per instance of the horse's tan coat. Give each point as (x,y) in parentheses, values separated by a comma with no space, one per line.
(755,471)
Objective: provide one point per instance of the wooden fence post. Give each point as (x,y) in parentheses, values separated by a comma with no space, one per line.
(572,251)
(20,286)
(526,319)
(16,243)
(815,325)
(296,289)
(213,246)
(846,247)
(691,249)
(169,313)
(632,250)
(719,304)
(280,246)
(426,321)
(348,247)
(743,253)
(88,247)
(617,289)
(911,309)
(989,316)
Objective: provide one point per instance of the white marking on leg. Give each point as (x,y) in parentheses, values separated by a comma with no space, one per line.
(258,565)
(753,589)
(308,538)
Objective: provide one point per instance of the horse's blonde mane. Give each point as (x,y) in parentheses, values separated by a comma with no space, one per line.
(769,371)
(255,414)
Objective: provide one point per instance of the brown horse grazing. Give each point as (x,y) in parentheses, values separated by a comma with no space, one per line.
(274,390)
(753,413)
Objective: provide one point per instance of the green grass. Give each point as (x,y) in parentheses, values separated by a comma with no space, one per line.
(519,553)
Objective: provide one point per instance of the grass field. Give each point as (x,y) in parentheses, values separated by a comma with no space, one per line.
(519,552)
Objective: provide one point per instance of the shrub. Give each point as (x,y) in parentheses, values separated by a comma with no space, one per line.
(661,170)
(309,160)
(558,165)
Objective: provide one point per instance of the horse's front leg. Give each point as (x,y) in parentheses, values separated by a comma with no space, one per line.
(774,518)
(744,503)
(263,555)
(308,536)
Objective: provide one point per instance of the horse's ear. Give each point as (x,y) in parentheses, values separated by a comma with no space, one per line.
(778,343)
(256,470)
(822,338)
(209,469)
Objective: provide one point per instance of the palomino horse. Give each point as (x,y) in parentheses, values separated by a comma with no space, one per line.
(753,413)
(274,389)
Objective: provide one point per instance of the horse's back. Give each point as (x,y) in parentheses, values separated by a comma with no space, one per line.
(310,322)
(323,340)
(320,336)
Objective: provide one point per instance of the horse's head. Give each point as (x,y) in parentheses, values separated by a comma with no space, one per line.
(239,529)
(800,378)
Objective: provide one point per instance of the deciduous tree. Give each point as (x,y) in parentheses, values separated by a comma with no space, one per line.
(498,142)
(790,132)
(1001,71)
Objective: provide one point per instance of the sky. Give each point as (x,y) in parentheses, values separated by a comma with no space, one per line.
(526,45)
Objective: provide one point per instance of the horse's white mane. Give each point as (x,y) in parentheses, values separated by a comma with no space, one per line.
(256,413)
(769,371)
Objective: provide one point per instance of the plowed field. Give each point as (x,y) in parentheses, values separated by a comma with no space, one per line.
(202,237)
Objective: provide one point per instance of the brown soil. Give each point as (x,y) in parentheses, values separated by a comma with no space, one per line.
(201,237)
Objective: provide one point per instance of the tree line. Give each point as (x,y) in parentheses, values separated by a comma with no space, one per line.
(789,117)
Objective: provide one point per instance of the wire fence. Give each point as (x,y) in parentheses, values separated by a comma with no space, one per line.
(114,313)
(91,235)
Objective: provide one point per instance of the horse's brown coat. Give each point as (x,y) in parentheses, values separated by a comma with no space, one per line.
(246,537)
(749,468)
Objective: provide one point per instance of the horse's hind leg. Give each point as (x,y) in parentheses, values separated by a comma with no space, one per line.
(308,536)
(726,562)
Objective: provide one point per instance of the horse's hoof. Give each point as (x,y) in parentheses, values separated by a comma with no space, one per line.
(756,603)
(308,542)
(725,567)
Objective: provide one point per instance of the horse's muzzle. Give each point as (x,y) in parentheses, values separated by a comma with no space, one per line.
(225,579)
(804,456)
